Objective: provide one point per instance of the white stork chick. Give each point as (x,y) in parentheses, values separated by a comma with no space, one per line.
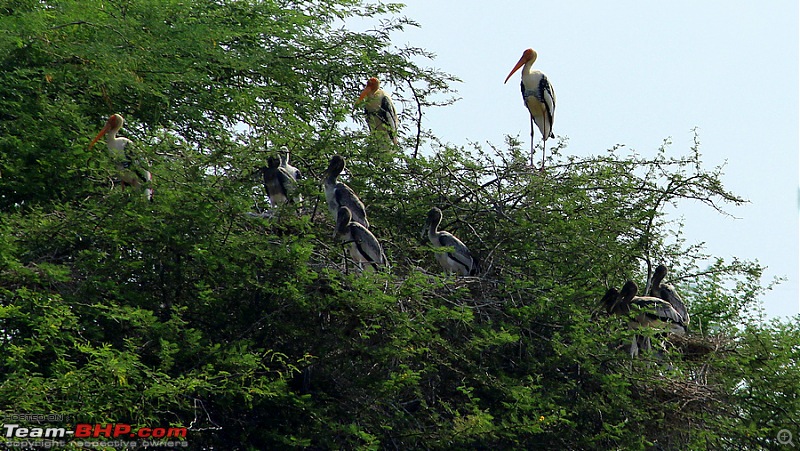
(279,182)
(364,247)
(291,170)
(379,109)
(338,195)
(131,170)
(538,96)
(459,260)
(667,292)
(653,312)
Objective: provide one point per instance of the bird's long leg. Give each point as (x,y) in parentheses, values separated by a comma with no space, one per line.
(544,153)
(532,142)
(344,255)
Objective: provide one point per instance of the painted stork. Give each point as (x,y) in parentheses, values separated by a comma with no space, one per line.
(538,96)
(337,194)
(667,292)
(131,170)
(278,181)
(653,312)
(379,109)
(364,247)
(459,260)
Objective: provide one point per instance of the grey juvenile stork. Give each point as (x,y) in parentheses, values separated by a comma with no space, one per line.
(131,170)
(667,292)
(364,247)
(381,115)
(280,181)
(459,260)
(653,312)
(539,98)
(337,194)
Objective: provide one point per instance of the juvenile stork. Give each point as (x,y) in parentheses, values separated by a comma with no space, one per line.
(279,181)
(379,109)
(667,292)
(131,170)
(337,194)
(364,247)
(539,97)
(459,260)
(652,312)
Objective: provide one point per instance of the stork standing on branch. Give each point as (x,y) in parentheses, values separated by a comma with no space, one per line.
(381,115)
(667,292)
(131,169)
(459,260)
(280,180)
(653,312)
(538,96)
(364,247)
(337,194)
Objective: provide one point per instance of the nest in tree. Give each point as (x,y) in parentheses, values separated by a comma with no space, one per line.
(696,347)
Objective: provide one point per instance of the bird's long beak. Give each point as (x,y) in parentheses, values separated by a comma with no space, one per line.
(105,130)
(520,63)
(367,91)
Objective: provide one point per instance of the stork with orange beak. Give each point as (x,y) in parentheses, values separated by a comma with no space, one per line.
(131,171)
(538,96)
(379,109)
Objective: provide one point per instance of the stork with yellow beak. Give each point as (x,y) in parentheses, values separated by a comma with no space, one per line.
(131,170)
(381,115)
(538,96)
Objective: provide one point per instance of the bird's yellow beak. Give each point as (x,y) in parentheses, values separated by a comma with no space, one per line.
(105,130)
(527,55)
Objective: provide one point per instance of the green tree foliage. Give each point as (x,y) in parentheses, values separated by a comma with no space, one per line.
(251,330)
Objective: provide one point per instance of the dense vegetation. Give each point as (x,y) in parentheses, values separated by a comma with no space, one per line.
(254,333)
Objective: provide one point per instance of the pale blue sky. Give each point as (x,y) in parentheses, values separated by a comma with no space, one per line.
(637,72)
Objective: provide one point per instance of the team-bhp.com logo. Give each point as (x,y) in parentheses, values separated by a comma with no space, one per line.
(85,430)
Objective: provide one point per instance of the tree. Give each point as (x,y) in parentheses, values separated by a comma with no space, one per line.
(196,311)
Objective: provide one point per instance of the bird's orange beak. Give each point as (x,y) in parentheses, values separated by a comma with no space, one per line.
(367,91)
(520,63)
(372,86)
(105,130)
(527,55)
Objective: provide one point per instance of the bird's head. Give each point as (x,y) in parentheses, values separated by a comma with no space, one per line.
(113,123)
(372,86)
(528,55)
(335,167)
(273,162)
(434,219)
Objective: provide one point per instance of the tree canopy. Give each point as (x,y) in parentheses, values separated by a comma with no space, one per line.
(251,330)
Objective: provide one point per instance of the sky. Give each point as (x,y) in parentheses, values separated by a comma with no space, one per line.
(636,73)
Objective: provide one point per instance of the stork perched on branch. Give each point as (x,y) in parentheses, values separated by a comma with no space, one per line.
(667,292)
(650,312)
(280,180)
(381,115)
(539,98)
(458,260)
(364,247)
(131,169)
(337,194)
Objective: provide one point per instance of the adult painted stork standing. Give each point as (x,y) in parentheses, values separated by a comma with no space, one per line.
(538,96)
(337,194)
(667,292)
(279,181)
(459,260)
(653,312)
(131,170)
(379,109)
(364,247)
